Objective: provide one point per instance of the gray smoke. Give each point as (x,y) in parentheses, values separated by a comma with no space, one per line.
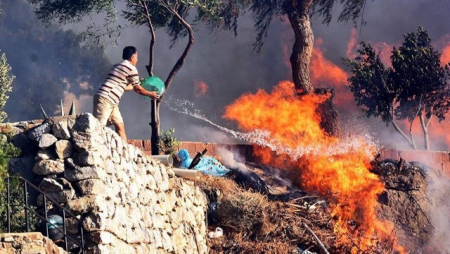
(230,67)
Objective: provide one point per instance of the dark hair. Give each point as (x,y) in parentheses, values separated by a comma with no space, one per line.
(128,52)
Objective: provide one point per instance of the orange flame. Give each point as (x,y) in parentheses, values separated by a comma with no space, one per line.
(324,73)
(200,88)
(334,168)
(445,57)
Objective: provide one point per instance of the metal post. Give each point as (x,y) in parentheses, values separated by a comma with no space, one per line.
(45,215)
(82,239)
(64,227)
(25,194)
(8,207)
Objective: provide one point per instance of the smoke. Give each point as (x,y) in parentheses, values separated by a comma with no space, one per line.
(231,159)
(438,193)
(230,67)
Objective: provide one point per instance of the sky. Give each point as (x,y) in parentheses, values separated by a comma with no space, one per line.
(221,67)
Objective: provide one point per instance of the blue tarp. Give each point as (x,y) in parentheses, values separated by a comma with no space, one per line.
(207,165)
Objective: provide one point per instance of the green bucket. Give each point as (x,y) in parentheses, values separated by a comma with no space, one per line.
(153,84)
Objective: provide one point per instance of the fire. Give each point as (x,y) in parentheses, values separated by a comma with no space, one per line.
(445,57)
(200,88)
(325,73)
(334,168)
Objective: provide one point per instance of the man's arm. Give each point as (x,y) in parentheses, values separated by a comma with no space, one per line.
(140,90)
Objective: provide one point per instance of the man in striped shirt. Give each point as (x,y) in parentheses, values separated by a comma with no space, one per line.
(121,78)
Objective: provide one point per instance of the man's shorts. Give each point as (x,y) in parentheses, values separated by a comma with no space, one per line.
(106,112)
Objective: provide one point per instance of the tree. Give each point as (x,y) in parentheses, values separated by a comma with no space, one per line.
(7,150)
(416,86)
(6,79)
(153,14)
(226,14)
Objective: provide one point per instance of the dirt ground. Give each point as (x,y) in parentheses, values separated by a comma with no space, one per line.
(263,212)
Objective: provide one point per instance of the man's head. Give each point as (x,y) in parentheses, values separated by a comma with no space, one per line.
(130,53)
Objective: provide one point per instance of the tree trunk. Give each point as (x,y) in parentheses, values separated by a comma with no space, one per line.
(329,121)
(154,113)
(155,126)
(424,126)
(298,13)
(410,142)
(300,59)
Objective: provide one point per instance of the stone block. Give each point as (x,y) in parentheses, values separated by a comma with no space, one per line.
(48,167)
(63,149)
(89,158)
(36,133)
(90,187)
(81,173)
(82,205)
(60,129)
(47,140)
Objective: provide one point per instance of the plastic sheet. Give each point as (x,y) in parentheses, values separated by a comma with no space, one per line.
(207,165)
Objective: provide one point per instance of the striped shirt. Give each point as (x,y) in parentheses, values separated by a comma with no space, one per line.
(120,75)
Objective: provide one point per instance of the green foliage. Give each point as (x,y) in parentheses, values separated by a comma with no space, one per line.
(223,15)
(6,80)
(17,210)
(416,86)
(424,82)
(371,84)
(7,151)
(168,143)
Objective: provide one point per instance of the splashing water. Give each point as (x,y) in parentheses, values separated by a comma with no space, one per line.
(263,138)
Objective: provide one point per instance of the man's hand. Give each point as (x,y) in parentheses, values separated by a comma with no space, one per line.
(140,90)
(154,95)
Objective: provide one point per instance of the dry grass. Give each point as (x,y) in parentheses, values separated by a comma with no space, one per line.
(254,223)
(251,222)
(243,211)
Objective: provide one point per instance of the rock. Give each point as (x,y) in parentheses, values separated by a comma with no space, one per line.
(60,129)
(82,205)
(60,197)
(46,155)
(47,140)
(47,167)
(63,149)
(50,185)
(90,186)
(89,158)
(81,173)
(36,133)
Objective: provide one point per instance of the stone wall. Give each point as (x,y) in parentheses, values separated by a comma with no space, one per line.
(126,202)
(32,242)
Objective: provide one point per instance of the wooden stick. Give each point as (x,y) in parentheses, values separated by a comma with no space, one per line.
(316,238)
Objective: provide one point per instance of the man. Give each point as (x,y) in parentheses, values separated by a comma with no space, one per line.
(122,77)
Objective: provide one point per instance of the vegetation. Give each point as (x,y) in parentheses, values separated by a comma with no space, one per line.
(153,14)
(168,143)
(6,80)
(416,86)
(226,13)
(7,151)
(172,15)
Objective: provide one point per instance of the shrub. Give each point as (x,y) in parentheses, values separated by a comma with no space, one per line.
(168,143)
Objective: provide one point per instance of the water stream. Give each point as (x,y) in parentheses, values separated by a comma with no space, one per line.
(262,138)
